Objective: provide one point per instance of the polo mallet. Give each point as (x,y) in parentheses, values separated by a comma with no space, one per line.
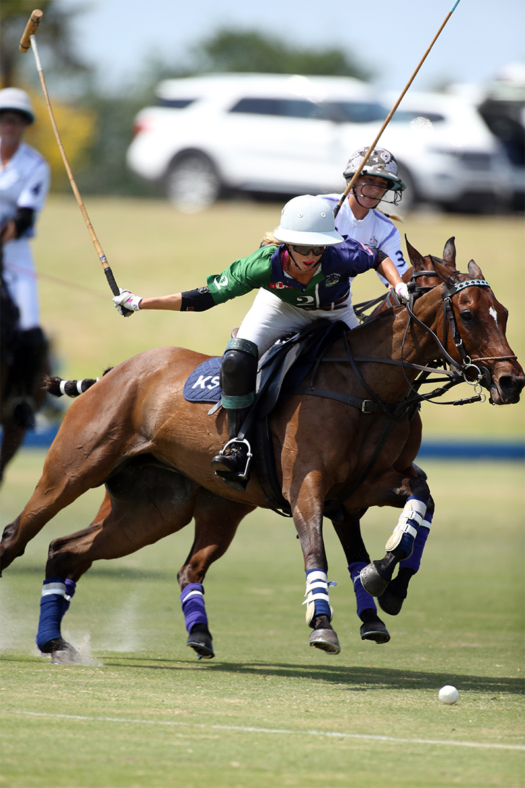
(26,42)
(357,173)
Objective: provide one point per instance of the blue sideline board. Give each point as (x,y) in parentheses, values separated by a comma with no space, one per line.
(435,450)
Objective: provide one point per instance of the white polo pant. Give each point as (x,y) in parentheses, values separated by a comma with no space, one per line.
(270,318)
(20,278)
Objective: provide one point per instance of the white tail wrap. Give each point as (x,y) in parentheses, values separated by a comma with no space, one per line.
(63,386)
(413,512)
(79,386)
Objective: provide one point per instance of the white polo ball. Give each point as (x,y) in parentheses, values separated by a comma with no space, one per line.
(448,694)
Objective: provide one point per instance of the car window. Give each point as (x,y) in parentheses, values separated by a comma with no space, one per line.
(355,111)
(338,111)
(282,108)
(405,116)
(174,103)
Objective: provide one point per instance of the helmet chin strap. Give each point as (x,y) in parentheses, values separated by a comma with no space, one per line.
(394,201)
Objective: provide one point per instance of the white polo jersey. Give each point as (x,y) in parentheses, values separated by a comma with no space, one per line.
(24,183)
(375,230)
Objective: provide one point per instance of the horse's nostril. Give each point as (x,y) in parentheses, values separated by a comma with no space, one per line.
(510,384)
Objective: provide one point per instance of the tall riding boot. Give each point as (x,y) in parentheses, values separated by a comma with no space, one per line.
(28,370)
(238,374)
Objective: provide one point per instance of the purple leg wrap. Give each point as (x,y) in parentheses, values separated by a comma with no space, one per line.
(192,601)
(414,562)
(51,610)
(71,587)
(364,600)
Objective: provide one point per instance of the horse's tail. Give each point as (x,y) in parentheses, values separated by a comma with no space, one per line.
(57,386)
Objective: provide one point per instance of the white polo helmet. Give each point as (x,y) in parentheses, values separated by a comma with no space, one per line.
(17,100)
(307,220)
(381,163)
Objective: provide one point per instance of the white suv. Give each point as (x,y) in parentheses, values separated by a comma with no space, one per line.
(219,133)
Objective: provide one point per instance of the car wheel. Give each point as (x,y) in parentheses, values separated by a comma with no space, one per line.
(409,196)
(192,183)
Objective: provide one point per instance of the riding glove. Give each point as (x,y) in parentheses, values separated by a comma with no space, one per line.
(127,300)
(401,290)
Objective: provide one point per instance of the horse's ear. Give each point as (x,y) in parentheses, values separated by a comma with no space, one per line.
(449,253)
(418,262)
(443,271)
(475,271)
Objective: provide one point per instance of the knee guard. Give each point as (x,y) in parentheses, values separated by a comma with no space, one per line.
(238,374)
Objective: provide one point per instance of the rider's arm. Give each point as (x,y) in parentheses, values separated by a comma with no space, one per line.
(242,276)
(387,269)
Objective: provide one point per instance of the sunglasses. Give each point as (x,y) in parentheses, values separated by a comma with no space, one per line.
(305,250)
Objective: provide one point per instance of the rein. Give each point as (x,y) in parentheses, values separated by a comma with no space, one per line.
(398,411)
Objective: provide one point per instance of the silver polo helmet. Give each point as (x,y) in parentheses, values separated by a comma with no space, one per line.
(381,163)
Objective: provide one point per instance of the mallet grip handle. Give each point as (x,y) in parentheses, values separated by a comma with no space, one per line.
(31,28)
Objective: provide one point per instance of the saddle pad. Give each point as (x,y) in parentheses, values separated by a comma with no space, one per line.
(203,383)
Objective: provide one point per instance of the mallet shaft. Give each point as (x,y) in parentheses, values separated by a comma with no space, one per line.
(28,40)
(357,173)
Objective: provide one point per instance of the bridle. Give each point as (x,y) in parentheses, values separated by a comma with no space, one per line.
(473,374)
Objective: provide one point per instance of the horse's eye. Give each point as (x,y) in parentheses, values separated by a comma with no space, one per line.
(466,316)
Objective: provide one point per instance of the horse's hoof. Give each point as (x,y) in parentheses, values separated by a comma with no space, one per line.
(326,640)
(372,581)
(61,652)
(201,642)
(390,603)
(376,631)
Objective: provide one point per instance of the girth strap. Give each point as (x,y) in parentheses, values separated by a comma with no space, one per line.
(364,405)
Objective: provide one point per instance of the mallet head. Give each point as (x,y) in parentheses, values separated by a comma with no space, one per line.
(31,28)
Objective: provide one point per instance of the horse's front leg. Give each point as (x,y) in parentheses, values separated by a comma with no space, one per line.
(400,546)
(307,507)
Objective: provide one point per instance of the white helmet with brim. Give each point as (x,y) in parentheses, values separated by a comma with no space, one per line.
(308,220)
(17,100)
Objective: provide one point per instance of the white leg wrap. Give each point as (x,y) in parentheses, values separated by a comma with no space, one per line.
(316,588)
(409,521)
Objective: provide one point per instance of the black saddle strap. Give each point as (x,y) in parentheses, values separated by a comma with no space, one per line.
(364,405)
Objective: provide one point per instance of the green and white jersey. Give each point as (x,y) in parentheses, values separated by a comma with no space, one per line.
(263,269)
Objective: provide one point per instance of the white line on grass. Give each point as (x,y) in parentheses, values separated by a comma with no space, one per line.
(246,729)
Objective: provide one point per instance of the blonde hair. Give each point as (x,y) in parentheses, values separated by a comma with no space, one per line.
(269,239)
(393,216)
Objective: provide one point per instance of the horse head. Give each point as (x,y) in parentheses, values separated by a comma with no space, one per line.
(474,323)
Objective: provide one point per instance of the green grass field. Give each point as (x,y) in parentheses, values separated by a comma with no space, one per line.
(142,712)
(268,710)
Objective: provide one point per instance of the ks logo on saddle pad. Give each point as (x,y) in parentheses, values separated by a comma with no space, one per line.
(203,384)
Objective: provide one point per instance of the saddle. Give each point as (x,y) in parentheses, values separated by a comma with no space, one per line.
(281,370)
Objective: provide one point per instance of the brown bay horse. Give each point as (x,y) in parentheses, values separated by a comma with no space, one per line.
(135,433)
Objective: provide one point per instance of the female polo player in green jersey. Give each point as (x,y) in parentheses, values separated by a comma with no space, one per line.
(302,277)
